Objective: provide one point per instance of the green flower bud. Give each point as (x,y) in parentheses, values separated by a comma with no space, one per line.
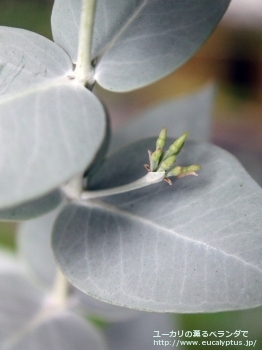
(175,171)
(190,168)
(155,158)
(166,164)
(180,171)
(176,147)
(160,142)
(156,155)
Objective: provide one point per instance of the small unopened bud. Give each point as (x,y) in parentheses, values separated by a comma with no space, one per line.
(189,170)
(166,164)
(156,155)
(176,147)
(155,158)
(175,171)
(161,141)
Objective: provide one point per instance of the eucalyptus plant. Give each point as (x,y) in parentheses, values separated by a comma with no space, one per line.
(120,233)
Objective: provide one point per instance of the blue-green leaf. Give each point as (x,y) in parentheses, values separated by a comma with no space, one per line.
(137,42)
(34,251)
(19,303)
(28,59)
(48,134)
(30,319)
(194,246)
(32,209)
(35,254)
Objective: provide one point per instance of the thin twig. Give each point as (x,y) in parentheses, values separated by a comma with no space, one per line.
(84,70)
(149,179)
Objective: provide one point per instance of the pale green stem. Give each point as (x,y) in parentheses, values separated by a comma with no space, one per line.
(149,179)
(84,70)
(59,294)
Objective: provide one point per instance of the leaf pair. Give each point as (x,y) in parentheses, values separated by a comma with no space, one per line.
(138,42)
(51,128)
(192,247)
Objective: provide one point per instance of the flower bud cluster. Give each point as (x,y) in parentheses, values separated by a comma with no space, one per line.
(162,161)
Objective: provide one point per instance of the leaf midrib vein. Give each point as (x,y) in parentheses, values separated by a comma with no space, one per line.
(97,204)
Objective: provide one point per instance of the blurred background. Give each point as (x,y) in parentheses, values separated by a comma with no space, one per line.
(232,57)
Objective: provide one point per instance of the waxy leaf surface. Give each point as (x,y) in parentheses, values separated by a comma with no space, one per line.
(19,303)
(92,307)
(32,208)
(194,246)
(47,136)
(35,254)
(34,250)
(28,59)
(29,321)
(137,42)
(191,113)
